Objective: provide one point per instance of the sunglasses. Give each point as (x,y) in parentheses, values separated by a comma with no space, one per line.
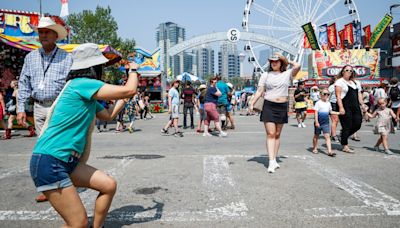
(347,70)
(326,94)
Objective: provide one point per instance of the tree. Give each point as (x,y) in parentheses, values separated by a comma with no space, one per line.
(97,27)
(126,47)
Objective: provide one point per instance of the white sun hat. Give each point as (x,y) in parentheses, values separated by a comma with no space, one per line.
(47,22)
(87,55)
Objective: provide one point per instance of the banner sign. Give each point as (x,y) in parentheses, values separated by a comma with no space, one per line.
(149,63)
(309,30)
(327,64)
(332,37)
(306,43)
(367,32)
(323,36)
(396,46)
(357,33)
(348,33)
(341,37)
(379,29)
(325,82)
(15,23)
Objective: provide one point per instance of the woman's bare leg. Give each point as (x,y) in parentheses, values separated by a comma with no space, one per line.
(89,177)
(67,203)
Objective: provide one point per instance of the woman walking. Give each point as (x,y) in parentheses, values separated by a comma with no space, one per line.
(349,100)
(335,108)
(274,115)
(58,161)
(13,114)
(210,105)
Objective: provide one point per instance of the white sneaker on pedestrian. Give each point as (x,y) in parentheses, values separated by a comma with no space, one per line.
(206,134)
(388,152)
(271,169)
(276,165)
(303,125)
(222,134)
(299,125)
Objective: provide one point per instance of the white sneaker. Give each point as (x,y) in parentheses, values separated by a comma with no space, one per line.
(277,166)
(206,134)
(222,134)
(388,152)
(271,169)
(303,125)
(299,125)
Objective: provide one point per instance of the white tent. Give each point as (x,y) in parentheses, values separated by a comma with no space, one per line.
(187,77)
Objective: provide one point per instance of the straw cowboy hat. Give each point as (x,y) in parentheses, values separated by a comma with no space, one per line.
(279,56)
(202,86)
(87,55)
(48,23)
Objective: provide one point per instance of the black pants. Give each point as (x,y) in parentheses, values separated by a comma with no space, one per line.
(393,120)
(185,109)
(351,123)
(145,111)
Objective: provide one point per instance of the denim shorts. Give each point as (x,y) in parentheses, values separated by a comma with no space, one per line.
(49,173)
(325,129)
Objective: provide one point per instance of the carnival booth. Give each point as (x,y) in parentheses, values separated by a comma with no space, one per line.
(150,77)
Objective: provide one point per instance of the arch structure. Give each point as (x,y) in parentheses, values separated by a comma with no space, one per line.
(222,36)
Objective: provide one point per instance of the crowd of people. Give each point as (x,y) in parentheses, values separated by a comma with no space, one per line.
(70,99)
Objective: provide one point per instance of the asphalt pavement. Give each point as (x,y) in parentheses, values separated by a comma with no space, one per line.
(196,181)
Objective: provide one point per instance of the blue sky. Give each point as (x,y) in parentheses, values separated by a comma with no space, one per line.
(139,19)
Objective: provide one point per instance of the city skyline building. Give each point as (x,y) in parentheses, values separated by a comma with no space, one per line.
(204,61)
(169,34)
(228,60)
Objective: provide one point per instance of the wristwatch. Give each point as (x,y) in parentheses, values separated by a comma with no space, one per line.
(132,70)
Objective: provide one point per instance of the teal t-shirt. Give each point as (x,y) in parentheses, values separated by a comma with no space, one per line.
(71,119)
(224,89)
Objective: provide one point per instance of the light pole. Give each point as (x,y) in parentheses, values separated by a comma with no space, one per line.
(40,7)
(391,30)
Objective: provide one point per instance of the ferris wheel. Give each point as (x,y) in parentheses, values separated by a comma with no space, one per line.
(282,20)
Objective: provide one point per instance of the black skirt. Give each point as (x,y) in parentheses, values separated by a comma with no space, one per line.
(335,107)
(275,112)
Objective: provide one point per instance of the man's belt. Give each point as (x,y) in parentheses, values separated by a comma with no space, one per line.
(44,102)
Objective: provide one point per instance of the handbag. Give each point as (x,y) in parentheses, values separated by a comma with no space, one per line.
(259,104)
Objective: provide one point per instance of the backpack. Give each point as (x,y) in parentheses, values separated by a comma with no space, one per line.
(394,93)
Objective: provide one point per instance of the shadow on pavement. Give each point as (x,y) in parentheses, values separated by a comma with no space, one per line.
(127,215)
(264,160)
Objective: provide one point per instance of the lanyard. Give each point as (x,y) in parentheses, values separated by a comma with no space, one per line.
(51,60)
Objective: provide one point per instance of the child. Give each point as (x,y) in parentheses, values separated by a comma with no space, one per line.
(322,110)
(384,125)
(131,112)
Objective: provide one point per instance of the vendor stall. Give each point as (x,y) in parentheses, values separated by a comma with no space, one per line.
(150,77)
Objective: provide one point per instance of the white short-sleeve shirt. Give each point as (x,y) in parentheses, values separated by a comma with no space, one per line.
(345,86)
(276,84)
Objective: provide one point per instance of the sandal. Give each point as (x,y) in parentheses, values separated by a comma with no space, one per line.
(356,139)
(315,151)
(350,151)
(332,154)
(41,198)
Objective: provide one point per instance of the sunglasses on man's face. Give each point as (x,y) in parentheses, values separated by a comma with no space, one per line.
(326,94)
(348,70)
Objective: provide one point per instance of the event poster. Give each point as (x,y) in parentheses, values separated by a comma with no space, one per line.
(332,37)
(327,64)
(357,33)
(323,36)
(309,31)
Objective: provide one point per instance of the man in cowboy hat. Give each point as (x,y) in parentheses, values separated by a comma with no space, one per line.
(43,75)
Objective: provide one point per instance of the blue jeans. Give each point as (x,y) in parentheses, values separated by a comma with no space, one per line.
(50,173)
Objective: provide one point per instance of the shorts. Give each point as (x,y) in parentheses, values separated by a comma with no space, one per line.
(325,129)
(49,173)
(275,112)
(175,111)
(203,114)
(335,107)
(211,111)
(229,108)
(221,108)
(301,110)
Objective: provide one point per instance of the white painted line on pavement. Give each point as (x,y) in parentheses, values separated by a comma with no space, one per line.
(369,195)
(12,172)
(348,211)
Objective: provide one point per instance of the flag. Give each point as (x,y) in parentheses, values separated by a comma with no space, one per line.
(64,8)
(309,30)
(379,29)
(348,33)
(332,38)
(357,32)
(306,43)
(367,32)
(323,36)
(341,37)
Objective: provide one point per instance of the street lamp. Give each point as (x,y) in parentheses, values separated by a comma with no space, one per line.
(391,30)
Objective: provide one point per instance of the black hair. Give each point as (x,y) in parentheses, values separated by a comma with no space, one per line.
(94,72)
